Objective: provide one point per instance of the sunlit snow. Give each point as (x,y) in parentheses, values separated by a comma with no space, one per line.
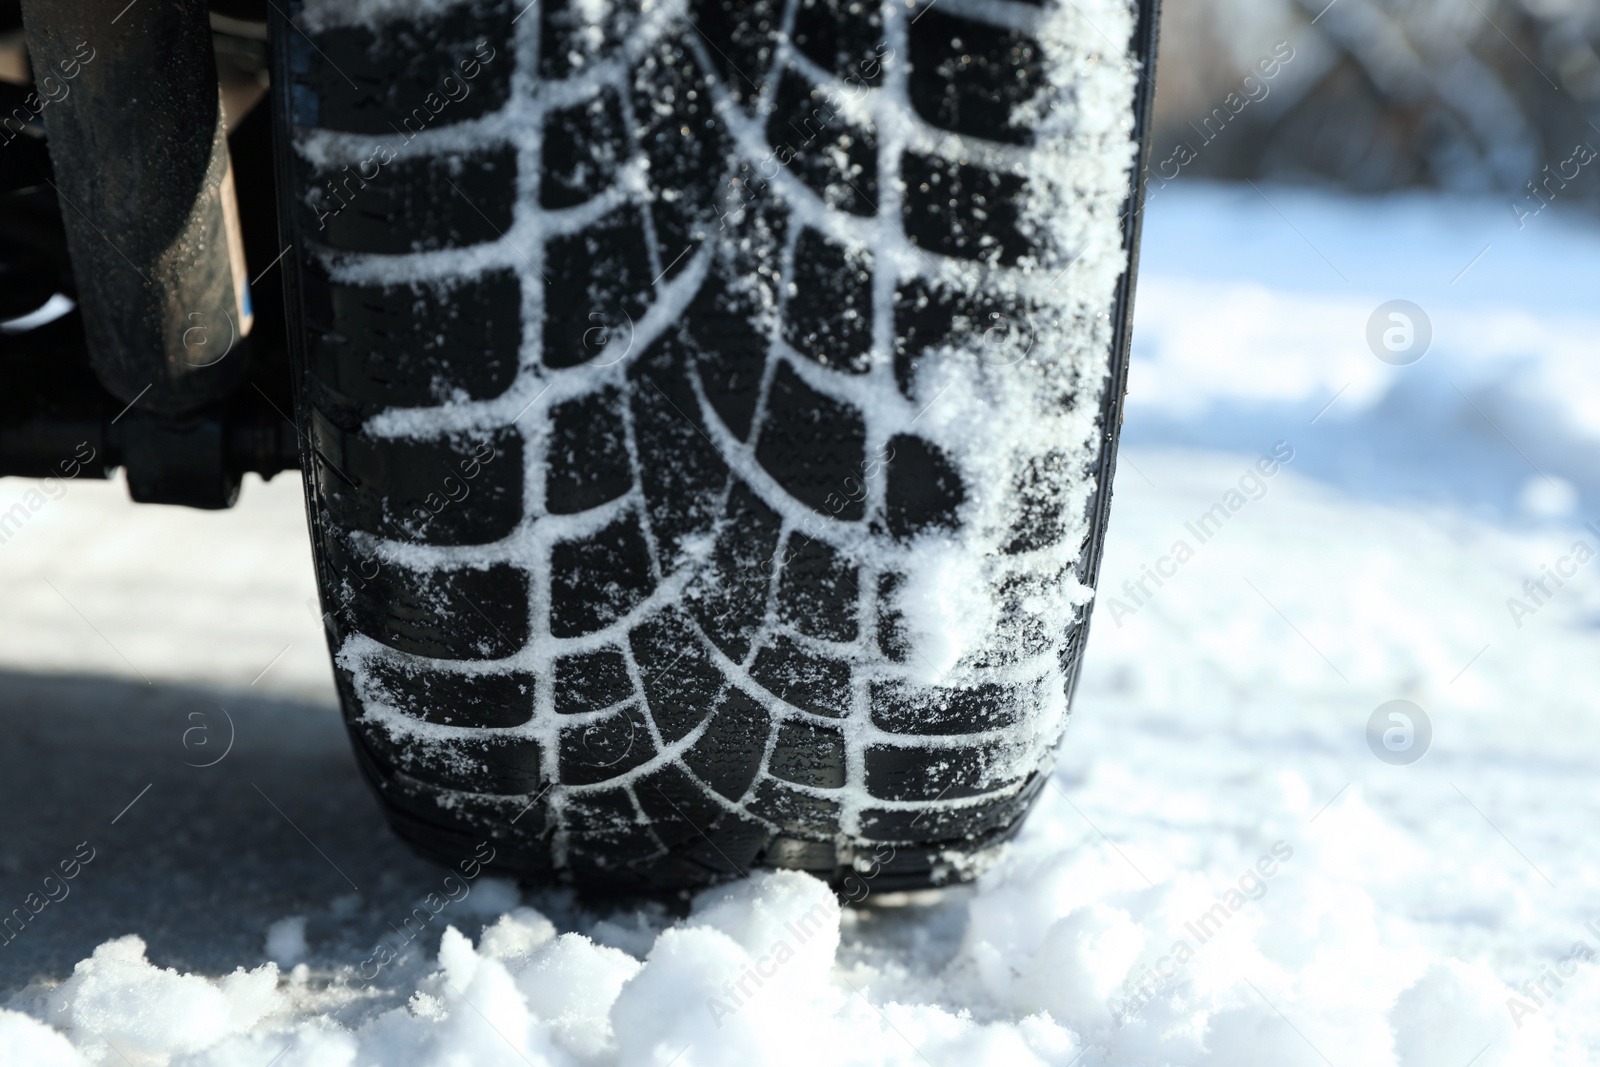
(1223,872)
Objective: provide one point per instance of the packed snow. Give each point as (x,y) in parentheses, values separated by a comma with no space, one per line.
(1240,861)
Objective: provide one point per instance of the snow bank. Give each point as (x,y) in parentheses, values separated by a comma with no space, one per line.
(1253,314)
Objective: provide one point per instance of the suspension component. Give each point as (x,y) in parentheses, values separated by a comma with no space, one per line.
(140,156)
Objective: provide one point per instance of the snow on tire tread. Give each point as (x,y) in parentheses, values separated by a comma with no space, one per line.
(763,545)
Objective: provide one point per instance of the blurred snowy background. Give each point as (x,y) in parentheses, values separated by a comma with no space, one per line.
(1438,913)
(1370,95)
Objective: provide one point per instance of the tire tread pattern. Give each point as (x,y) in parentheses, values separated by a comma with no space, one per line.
(584,409)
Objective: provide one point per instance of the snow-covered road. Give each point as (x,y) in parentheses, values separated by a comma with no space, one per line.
(1225,872)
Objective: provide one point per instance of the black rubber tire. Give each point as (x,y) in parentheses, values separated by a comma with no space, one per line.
(586,631)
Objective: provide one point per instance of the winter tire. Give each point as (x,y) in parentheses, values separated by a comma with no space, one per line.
(709,410)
